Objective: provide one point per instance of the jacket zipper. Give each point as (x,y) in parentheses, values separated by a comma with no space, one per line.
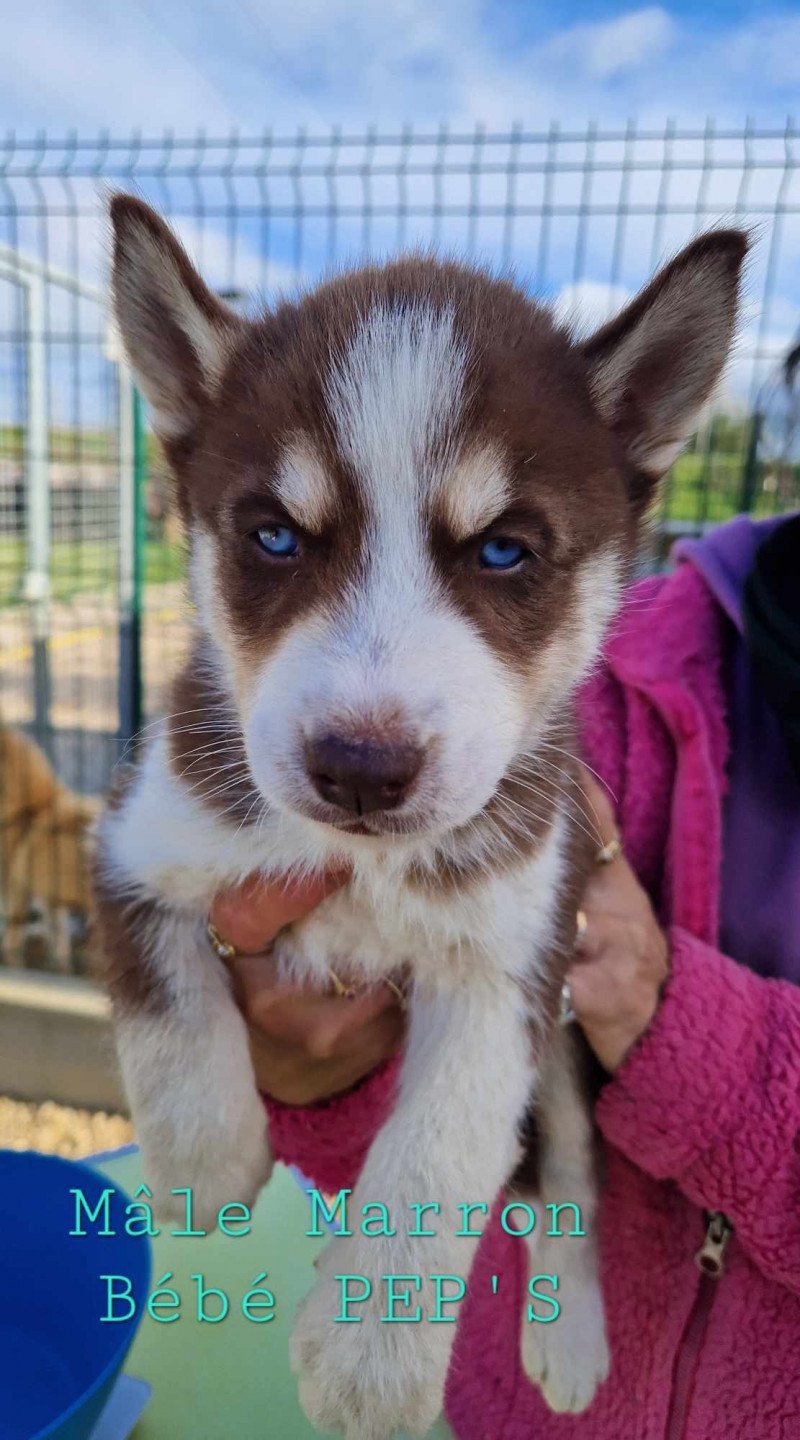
(710,1260)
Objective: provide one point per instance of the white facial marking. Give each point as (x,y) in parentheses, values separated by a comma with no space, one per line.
(396,393)
(474,492)
(392,644)
(391,649)
(303,485)
(598,587)
(230,666)
(569,655)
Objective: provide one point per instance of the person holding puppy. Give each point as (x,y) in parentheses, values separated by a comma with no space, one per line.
(685,983)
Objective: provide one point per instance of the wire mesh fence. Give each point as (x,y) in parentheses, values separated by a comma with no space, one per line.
(92,619)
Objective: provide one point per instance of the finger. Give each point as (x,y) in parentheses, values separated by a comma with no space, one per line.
(326,1030)
(611,884)
(600,805)
(380,1037)
(614,890)
(589,989)
(279,1074)
(598,932)
(301,1015)
(251,915)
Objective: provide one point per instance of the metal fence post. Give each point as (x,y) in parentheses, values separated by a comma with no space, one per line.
(132,539)
(37,486)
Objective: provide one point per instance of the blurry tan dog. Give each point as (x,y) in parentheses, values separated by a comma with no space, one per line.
(44,846)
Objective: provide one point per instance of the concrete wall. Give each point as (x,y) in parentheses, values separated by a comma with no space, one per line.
(55,1041)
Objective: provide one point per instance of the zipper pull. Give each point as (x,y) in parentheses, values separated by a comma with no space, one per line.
(710,1258)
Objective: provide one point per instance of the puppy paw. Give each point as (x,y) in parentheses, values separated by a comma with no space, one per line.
(568,1358)
(227,1163)
(365,1381)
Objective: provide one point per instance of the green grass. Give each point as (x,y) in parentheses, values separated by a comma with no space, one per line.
(67,444)
(84,566)
(707,489)
(703,488)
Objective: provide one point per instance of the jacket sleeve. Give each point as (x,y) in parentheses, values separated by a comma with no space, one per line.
(709,1097)
(329,1141)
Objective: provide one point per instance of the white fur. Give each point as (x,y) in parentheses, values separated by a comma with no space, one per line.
(302,483)
(390,653)
(190,1081)
(568,1358)
(475,491)
(168,843)
(688,320)
(230,668)
(393,645)
(451,1136)
(394,396)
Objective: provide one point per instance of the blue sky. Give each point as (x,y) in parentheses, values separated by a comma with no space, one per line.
(151,63)
(89,66)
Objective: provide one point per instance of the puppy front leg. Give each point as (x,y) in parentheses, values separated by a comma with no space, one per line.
(567,1358)
(184,1057)
(451,1140)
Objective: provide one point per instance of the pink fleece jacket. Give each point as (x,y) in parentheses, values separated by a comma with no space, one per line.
(703,1115)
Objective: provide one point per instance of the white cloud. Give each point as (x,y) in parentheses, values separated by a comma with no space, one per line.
(77,64)
(587,304)
(209,248)
(610,48)
(271,63)
(279,63)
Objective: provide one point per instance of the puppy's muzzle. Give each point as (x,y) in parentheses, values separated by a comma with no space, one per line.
(361,777)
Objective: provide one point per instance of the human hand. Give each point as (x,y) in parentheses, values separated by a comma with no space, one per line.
(622,957)
(305,1046)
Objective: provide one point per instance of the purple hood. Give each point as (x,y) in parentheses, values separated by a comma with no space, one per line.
(760,899)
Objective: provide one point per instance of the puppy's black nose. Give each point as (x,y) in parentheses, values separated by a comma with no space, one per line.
(360,776)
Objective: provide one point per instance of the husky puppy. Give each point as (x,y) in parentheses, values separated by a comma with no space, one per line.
(412,498)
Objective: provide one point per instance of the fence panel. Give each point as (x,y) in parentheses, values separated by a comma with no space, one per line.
(92,618)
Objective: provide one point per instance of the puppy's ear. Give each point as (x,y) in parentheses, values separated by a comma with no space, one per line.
(176,334)
(652,368)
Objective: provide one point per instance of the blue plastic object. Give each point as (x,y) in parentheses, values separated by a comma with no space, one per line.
(58,1359)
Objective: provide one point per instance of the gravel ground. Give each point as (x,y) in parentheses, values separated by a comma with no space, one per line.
(60,1130)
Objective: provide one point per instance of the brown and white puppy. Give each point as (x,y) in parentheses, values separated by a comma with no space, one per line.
(411,498)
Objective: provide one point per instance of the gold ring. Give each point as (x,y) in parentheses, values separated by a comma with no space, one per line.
(566,1014)
(222,948)
(342,991)
(398,992)
(609,852)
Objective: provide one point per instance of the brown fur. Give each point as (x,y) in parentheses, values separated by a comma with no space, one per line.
(566,442)
(204,735)
(273,390)
(562,430)
(119,939)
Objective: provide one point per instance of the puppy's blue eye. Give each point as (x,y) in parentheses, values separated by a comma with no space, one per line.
(278,540)
(499,553)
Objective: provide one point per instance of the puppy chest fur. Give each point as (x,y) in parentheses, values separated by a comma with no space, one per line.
(411,499)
